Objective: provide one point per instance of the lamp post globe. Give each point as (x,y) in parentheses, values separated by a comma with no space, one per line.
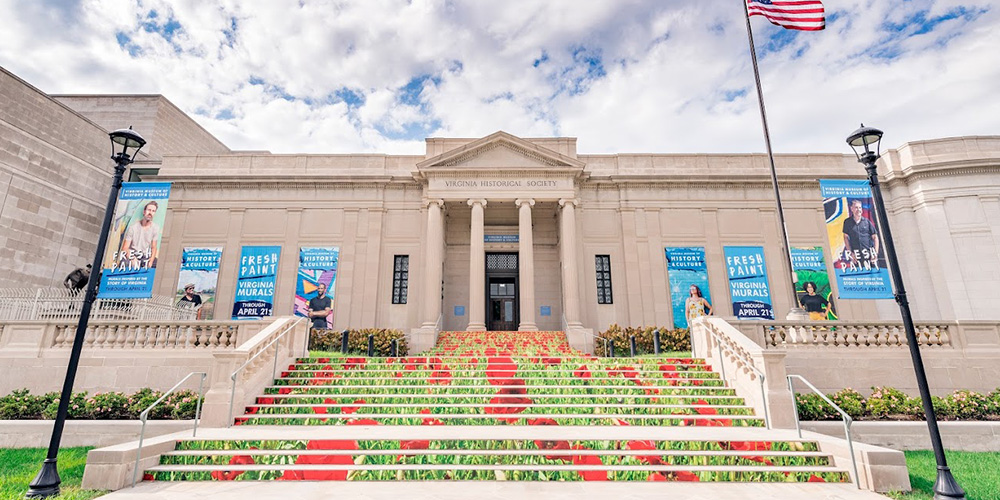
(863,141)
(125,145)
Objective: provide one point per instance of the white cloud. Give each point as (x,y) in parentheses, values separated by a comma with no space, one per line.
(625,76)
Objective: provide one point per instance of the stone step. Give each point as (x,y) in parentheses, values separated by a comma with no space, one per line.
(494,388)
(529,472)
(638,399)
(492,419)
(366,404)
(493,452)
(439,379)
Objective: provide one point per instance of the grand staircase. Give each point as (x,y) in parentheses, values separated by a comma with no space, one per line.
(514,406)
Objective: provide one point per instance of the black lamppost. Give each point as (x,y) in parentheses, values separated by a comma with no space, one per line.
(945,487)
(46,483)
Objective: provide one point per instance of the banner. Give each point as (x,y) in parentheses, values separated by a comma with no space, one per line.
(255,285)
(858,259)
(317,265)
(134,241)
(812,288)
(688,278)
(748,286)
(197,280)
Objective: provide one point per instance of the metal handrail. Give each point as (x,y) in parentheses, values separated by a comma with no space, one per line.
(749,364)
(274,366)
(843,415)
(597,336)
(145,415)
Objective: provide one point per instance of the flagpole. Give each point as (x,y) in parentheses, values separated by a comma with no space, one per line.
(796,311)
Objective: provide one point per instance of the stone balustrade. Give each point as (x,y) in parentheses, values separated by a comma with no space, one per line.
(871,334)
(60,304)
(151,335)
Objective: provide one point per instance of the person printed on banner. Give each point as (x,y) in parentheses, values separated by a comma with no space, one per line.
(191,299)
(320,307)
(78,279)
(695,306)
(817,306)
(861,241)
(139,247)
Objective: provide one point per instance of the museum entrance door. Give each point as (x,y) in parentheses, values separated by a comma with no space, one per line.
(502,305)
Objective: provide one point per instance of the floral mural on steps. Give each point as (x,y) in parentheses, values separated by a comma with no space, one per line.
(499,378)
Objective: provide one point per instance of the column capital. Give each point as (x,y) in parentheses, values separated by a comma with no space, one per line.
(428,203)
(477,201)
(573,202)
(524,201)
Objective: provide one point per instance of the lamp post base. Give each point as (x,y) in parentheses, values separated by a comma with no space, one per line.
(797,314)
(945,487)
(46,483)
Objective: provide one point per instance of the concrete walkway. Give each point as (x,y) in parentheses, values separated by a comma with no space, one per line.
(487,490)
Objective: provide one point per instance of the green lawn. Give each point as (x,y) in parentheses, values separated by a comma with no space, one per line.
(977,473)
(19,467)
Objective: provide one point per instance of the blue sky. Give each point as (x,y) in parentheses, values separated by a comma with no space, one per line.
(621,75)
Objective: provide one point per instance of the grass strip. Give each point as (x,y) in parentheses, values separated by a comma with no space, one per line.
(18,466)
(976,472)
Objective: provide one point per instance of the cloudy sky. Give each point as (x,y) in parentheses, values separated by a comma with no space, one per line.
(621,75)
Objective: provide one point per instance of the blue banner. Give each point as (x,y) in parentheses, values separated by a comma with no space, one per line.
(812,285)
(688,276)
(317,266)
(255,285)
(197,280)
(748,286)
(855,240)
(133,250)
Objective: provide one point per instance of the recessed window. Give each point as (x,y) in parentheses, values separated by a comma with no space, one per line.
(603,265)
(400,278)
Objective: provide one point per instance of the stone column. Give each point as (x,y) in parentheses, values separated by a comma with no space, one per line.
(570,272)
(477,269)
(526,265)
(432,263)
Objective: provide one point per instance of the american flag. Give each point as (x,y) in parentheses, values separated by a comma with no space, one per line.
(804,15)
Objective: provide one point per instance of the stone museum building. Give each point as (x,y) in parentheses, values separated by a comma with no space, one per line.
(498,232)
(499,258)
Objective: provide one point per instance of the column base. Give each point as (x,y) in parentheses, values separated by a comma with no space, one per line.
(527,327)
(476,327)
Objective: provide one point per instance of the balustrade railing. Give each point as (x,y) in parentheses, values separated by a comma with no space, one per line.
(785,334)
(151,335)
(57,304)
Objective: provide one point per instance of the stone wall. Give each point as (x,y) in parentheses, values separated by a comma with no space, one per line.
(168,130)
(55,176)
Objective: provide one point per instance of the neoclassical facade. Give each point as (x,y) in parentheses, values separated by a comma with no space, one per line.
(498,232)
(504,232)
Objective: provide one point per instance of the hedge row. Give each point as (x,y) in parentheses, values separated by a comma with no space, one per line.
(670,340)
(21,405)
(357,341)
(887,403)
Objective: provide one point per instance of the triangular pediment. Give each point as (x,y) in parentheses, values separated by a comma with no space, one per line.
(500,150)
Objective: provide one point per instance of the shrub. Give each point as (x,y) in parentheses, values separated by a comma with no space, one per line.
(78,408)
(993,402)
(670,340)
(109,406)
(969,405)
(22,405)
(851,401)
(886,401)
(183,404)
(357,341)
(812,407)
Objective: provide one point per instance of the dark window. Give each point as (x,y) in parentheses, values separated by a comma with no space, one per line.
(400,278)
(603,263)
